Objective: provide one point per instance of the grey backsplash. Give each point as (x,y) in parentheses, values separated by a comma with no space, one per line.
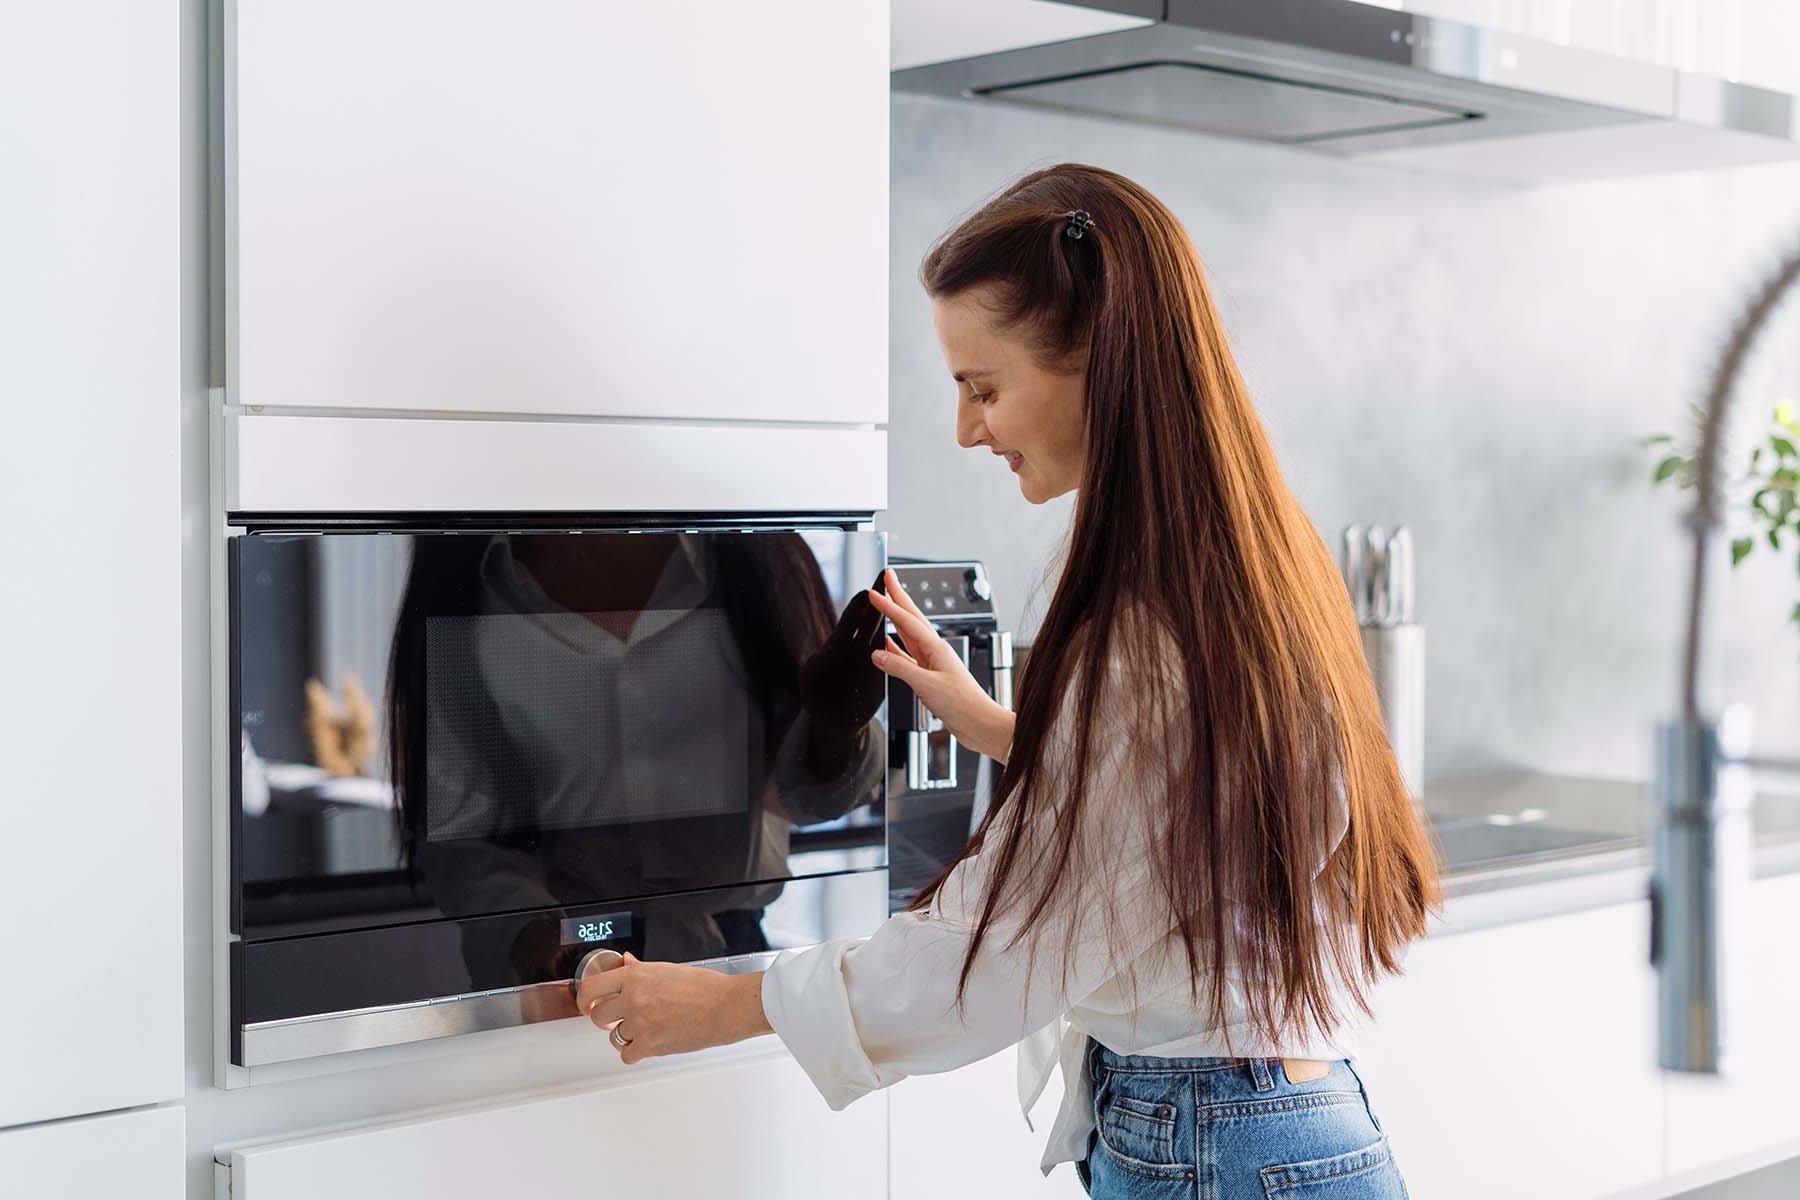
(1473,359)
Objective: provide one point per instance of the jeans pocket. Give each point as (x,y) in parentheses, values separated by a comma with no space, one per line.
(1139,1135)
(1366,1174)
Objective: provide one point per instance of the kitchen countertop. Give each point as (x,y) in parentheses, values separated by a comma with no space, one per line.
(1517,845)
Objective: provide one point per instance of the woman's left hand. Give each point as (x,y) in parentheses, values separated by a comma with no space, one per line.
(668,1008)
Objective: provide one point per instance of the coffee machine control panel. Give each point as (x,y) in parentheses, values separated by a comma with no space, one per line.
(948,590)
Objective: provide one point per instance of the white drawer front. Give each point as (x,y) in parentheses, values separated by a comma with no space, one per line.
(121,1156)
(755,1129)
(379,464)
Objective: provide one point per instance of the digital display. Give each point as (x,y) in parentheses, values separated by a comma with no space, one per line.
(596,929)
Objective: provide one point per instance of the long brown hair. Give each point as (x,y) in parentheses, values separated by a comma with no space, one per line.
(1249,638)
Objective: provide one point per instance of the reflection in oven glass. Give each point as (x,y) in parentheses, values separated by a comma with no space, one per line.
(472,724)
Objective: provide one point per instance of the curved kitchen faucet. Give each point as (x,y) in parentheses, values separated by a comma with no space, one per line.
(1703,837)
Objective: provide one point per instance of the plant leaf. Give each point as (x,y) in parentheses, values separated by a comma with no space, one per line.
(1775,537)
(1784,447)
(1666,468)
(1741,548)
(1795,615)
(1657,439)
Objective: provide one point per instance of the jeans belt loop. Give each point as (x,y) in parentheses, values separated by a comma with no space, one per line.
(1261,1076)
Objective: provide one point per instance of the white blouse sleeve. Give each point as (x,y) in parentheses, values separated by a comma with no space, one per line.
(859,1015)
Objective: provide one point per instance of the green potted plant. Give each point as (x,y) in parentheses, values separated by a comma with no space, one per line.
(1771,480)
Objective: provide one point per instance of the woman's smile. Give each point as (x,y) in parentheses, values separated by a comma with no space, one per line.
(1013,458)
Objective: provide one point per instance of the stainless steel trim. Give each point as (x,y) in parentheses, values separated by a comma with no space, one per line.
(267,1042)
(1003,668)
(850,903)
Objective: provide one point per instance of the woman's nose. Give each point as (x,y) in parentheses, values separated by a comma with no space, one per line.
(969,427)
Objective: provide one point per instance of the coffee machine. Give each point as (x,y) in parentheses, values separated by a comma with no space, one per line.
(938,788)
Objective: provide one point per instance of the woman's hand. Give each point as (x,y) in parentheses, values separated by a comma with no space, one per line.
(938,676)
(668,1008)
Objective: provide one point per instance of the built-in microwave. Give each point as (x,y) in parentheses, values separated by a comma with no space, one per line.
(468,751)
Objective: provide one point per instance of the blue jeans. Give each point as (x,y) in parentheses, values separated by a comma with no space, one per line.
(1231,1129)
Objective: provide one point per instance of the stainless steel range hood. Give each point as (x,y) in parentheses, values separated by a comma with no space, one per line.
(1360,81)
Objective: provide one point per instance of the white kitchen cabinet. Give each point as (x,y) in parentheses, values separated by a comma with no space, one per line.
(90,860)
(960,1134)
(750,1129)
(1752,1108)
(625,208)
(137,1155)
(1519,1060)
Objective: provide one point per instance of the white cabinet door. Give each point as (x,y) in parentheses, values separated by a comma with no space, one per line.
(120,1156)
(1755,1106)
(661,208)
(753,1129)
(1519,1061)
(960,1134)
(90,856)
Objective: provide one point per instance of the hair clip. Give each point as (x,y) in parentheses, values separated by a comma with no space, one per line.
(1079,223)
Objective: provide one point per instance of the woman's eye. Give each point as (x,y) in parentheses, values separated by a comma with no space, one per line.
(981,397)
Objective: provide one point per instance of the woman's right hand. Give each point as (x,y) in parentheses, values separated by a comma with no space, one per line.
(939,677)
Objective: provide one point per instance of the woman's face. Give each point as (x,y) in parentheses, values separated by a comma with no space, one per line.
(1033,417)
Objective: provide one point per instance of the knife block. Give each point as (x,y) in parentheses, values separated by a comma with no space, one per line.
(1396,657)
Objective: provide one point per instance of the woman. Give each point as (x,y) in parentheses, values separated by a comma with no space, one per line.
(1200,855)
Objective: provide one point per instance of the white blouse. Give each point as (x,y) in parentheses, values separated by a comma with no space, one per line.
(861,1014)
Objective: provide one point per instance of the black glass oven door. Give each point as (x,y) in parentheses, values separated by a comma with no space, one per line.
(470,724)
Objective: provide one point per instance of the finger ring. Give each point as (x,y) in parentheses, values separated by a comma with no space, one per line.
(618,1039)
